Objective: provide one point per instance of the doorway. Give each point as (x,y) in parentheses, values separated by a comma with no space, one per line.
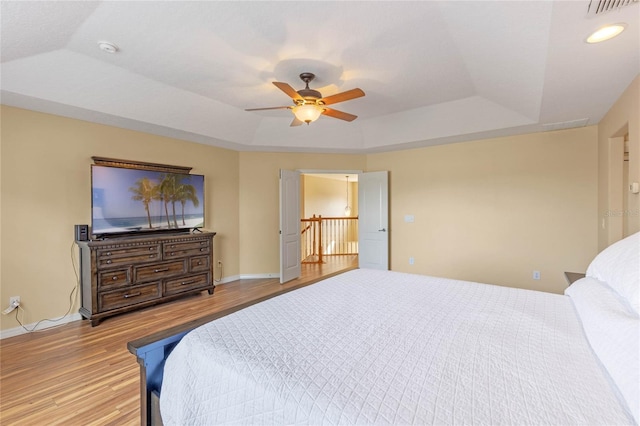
(618,207)
(365,232)
(329,217)
(372,210)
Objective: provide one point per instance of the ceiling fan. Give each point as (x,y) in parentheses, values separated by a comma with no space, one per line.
(309,104)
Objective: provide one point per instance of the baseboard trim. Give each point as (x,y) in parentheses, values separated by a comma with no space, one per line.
(260,276)
(248,277)
(228,279)
(17,331)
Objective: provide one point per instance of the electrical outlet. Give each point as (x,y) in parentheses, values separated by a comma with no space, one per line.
(14,302)
(411,261)
(536,275)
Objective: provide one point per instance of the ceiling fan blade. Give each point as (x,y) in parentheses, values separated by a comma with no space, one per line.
(263,109)
(296,122)
(339,114)
(341,97)
(290,91)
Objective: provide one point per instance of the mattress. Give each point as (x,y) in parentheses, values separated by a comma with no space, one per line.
(382,347)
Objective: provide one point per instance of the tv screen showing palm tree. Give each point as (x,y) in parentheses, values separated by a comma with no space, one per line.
(131,200)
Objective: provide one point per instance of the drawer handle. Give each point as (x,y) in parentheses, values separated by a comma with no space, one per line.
(115,277)
(109,261)
(126,296)
(151,256)
(173,254)
(151,248)
(172,246)
(199,263)
(160,270)
(202,249)
(108,253)
(203,243)
(188,282)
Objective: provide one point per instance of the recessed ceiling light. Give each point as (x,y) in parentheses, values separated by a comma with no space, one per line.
(108,47)
(606,33)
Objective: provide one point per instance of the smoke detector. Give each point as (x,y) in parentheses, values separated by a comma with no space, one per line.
(108,47)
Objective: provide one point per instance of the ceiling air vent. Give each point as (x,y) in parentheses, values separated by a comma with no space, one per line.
(565,125)
(598,7)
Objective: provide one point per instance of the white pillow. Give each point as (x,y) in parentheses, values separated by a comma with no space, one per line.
(612,331)
(619,266)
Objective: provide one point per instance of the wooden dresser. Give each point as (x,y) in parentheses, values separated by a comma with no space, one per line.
(128,273)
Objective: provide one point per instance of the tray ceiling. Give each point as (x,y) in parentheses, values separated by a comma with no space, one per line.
(433,72)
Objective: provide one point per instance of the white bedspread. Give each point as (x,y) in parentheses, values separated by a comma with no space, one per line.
(372,347)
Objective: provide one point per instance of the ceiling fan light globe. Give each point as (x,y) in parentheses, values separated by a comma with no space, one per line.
(307,113)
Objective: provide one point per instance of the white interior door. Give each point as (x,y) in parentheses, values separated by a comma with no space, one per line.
(373,227)
(289,225)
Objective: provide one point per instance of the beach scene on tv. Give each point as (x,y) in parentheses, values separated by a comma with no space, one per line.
(129,200)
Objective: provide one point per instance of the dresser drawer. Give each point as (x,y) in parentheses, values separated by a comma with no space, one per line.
(158,270)
(113,278)
(183,284)
(127,255)
(173,250)
(199,264)
(122,274)
(129,296)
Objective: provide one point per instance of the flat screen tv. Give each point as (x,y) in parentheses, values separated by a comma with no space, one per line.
(126,200)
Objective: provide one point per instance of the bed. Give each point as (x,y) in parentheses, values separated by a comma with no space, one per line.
(382,347)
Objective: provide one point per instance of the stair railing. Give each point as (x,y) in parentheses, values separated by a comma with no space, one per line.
(328,236)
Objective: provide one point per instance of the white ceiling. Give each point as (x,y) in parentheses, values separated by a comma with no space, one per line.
(433,71)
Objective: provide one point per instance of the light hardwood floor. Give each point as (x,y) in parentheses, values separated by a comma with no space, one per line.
(76,374)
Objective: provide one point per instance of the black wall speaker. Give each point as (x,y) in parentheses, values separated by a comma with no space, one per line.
(82,232)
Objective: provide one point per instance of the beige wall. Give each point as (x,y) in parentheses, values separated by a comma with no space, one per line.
(496,210)
(259,211)
(328,197)
(491,211)
(45,178)
(623,118)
